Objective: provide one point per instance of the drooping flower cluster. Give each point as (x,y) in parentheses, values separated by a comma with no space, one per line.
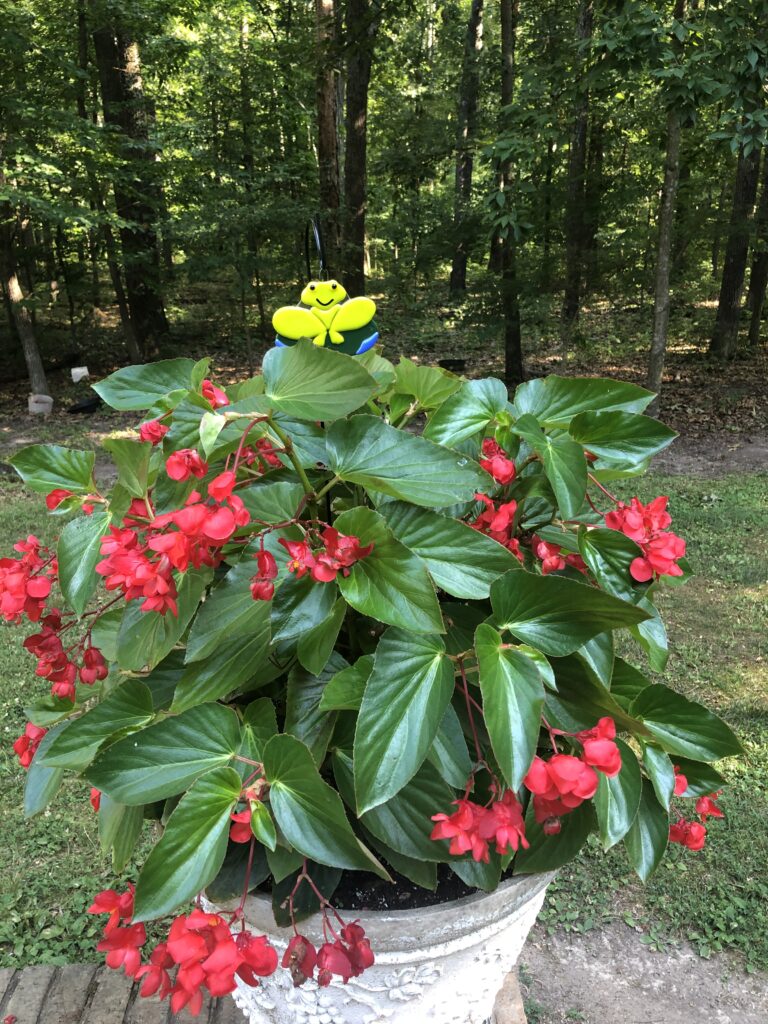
(25,747)
(347,956)
(498,522)
(25,583)
(200,947)
(496,462)
(554,558)
(646,526)
(63,666)
(472,827)
(153,431)
(693,834)
(337,555)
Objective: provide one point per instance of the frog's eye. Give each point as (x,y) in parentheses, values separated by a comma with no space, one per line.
(334,286)
(312,287)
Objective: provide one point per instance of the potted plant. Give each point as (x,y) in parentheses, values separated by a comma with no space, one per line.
(346,632)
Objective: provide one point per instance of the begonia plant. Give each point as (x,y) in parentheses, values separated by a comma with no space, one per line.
(347,616)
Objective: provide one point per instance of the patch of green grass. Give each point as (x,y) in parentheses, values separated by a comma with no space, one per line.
(716,899)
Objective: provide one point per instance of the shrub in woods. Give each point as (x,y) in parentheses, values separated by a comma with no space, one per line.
(310,641)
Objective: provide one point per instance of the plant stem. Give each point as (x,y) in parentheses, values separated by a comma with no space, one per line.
(288,446)
(605,491)
(324,490)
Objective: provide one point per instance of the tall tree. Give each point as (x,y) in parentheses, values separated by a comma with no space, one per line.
(466,127)
(136,192)
(361,27)
(510,286)
(758,276)
(327,99)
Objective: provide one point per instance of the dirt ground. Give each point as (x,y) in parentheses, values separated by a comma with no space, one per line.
(609,976)
(715,455)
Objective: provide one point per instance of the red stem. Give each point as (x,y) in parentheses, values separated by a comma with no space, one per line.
(478,749)
(605,491)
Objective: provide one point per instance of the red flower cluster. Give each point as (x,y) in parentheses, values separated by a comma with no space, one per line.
(200,945)
(184,463)
(472,827)
(496,462)
(264,453)
(153,431)
(646,526)
(554,558)
(706,806)
(59,666)
(348,956)
(25,582)
(25,747)
(693,834)
(598,747)
(338,555)
(681,783)
(240,830)
(262,586)
(498,523)
(214,395)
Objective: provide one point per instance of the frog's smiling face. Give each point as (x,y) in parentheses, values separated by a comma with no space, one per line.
(323,294)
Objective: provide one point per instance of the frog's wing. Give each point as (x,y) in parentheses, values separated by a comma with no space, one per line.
(354,313)
(294,322)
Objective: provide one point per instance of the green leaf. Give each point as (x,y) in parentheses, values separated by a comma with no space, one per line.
(228,612)
(467,412)
(304,718)
(661,773)
(421,872)
(344,691)
(260,719)
(316,645)
(554,401)
(683,727)
(314,383)
(273,501)
(620,435)
(366,451)
(390,584)
(703,779)
(581,699)
(513,696)
(309,812)
(461,561)
(43,782)
(379,368)
(127,707)
(429,385)
(132,461)
(191,850)
(145,638)
(477,874)
(609,554)
(564,463)
(597,655)
(449,754)
(139,387)
(125,831)
(646,841)
(627,682)
(230,880)
(403,705)
(554,614)
(652,635)
(283,862)
(299,605)
(548,853)
(78,551)
(44,467)
(166,758)
(211,425)
(618,798)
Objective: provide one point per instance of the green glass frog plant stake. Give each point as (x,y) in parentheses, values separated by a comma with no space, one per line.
(327,314)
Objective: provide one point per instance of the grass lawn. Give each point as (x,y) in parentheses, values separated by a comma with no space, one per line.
(717,899)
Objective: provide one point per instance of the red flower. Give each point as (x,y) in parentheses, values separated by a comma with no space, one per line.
(122,948)
(119,906)
(341,552)
(185,463)
(463,829)
(25,747)
(94,666)
(504,823)
(302,560)
(241,832)
(300,958)
(55,498)
(498,523)
(155,973)
(333,958)
(23,591)
(660,558)
(550,555)
(559,786)
(221,486)
(496,462)
(262,587)
(214,395)
(257,957)
(95,798)
(599,749)
(645,524)
(688,833)
(267,453)
(358,948)
(706,806)
(681,783)
(153,431)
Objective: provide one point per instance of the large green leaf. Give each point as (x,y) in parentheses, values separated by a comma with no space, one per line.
(620,435)
(581,699)
(548,853)
(554,614)
(314,383)
(661,772)
(191,850)
(344,692)
(513,696)
(365,450)
(78,551)
(461,561)
(564,464)
(403,705)
(683,727)
(468,411)
(43,782)
(299,605)
(390,584)
(229,611)
(554,401)
(477,874)
(119,830)
(139,387)
(618,798)
(316,645)
(44,467)
(304,717)
(702,778)
(127,707)
(429,385)
(652,635)
(309,812)
(164,759)
(146,637)
(646,841)
(609,554)
(273,501)
(132,461)
(449,753)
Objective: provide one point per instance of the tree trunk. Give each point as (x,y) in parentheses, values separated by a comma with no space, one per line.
(575,200)
(545,270)
(362,23)
(465,140)
(510,287)
(718,234)
(21,319)
(593,192)
(327,95)
(723,342)
(122,93)
(758,277)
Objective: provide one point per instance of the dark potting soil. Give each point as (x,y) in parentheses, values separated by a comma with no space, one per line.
(359,890)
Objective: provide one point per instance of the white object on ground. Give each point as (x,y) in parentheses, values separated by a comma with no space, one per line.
(40,405)
(79,373)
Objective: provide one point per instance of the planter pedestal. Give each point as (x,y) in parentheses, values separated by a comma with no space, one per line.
(435,965)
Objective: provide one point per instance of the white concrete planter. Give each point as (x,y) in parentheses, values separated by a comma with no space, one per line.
(437,965)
